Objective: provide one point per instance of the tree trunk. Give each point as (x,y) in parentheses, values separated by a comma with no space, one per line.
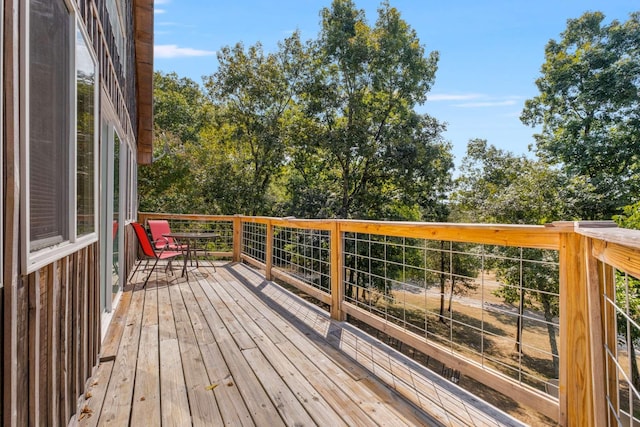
(520,321)
(453,286)
(635,375)
(351,279)
(551,330)
(442,283)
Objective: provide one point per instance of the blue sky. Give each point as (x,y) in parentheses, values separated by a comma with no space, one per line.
(490,50)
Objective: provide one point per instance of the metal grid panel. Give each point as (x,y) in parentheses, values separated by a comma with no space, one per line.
(495,305)
(622,318)
(304,254)
(254,238)
(224,229)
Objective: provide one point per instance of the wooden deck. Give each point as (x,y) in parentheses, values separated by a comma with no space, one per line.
(229,348)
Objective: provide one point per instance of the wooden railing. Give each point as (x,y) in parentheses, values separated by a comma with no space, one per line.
(375,272)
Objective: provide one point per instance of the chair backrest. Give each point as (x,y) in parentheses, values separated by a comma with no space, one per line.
(143,239)
(158,227)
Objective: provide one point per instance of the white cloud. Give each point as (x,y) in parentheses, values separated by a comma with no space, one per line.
(453,97)
(173,51)
(159,11)
(162,1)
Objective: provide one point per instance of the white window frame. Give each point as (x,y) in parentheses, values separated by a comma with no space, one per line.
(32,261)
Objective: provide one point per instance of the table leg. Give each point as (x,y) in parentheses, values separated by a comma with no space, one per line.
(187,257)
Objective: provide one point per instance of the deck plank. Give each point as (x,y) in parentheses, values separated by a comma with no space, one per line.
(259,327)
(232,407)
(317,367)
(381,403)
(227,347)
(146,396)
(111,343)
(90,408)
(202,401)
(117,405)
(174,405)
(255,397)
(284,400)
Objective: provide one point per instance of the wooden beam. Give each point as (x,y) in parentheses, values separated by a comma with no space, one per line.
(268,256)
(15,345)
(596,326)
(143,33)
(237,238)
(337,273)
(576,380)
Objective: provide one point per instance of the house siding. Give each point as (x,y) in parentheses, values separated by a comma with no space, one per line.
(50,318)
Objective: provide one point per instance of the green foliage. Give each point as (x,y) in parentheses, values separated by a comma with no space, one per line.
(630,217)
(167,184)
(254,92)
(379,159)
(589,108)
(497,186)
(325,128)
(179,107)
(628,295)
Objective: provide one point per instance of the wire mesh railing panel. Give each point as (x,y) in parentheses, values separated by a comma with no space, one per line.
(304,254)
(254,241)
(622,346)
(223,228)
(498,306)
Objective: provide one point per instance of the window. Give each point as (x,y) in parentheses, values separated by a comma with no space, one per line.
(85,138)
(60,134)
(49,121)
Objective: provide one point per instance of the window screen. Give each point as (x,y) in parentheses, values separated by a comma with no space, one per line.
(50,45)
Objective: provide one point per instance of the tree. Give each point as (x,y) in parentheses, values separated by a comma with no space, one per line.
(589,108)
(179,106)
(254,92)
(628,293)
(180,113)
(379,156)
(497,186)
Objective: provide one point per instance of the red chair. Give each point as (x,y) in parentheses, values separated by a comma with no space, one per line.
(149,251)
(158,229)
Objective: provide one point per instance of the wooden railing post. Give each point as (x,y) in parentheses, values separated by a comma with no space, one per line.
(608,285)
(595,288)
(237,238)
(577,389)
(268,255)
(337,271)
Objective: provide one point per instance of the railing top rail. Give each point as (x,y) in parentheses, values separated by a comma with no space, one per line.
(620,236)
(186,217)
(533,236)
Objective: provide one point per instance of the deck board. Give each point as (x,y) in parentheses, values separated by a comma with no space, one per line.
(174,406)
(287,375)
(228,347)
(202,401)
(118,398)
(146,396)
(230,402)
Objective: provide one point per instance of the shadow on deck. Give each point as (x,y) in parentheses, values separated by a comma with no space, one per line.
(230,348)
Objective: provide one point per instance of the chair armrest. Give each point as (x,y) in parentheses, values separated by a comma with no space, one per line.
(162,240)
